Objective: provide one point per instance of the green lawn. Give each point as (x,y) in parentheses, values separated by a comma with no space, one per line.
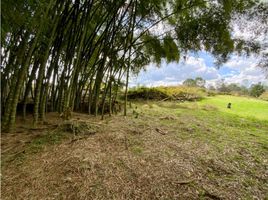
(242,106)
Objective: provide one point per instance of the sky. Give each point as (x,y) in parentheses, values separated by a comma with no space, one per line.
(240,70)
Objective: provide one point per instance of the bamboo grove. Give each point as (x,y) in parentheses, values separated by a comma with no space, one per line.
(79,54)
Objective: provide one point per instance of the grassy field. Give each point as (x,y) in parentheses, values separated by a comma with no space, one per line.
(242,106)
(161,150)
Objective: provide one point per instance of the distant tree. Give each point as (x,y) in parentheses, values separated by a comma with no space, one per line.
(200,82)
(234,87)
(197,82)
(256,90)
(223,88)
(244,90)
(211,87)
(189,82)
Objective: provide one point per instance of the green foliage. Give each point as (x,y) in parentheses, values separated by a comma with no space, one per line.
(153,47)
(189,82)
(256,90)
(166,48)
(232,88)
(197,82)
(171,51)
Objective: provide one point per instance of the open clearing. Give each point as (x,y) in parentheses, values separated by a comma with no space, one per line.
(162,150)
(242,106)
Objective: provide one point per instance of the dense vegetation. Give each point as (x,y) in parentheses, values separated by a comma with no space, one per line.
(174,93)
(65,55)
(255,90)
(195,90)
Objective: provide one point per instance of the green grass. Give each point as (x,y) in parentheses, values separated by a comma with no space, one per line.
(217,126)
(241,106)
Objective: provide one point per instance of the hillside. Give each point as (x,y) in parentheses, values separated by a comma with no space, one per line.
(241,106)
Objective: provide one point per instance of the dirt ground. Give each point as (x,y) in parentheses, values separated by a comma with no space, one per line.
(147,155)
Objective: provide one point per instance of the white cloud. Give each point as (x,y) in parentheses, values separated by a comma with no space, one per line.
(241,63)
(241,70)
(174,73)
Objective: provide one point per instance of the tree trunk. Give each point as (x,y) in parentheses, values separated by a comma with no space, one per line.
(23,72)
(29,87)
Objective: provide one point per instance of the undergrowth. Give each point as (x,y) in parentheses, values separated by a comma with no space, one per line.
(177,93)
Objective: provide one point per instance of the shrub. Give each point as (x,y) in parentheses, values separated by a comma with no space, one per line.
(147,94)
(180,93)
(256,90)
(264,96)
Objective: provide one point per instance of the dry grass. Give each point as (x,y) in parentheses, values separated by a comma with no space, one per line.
(129,158)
